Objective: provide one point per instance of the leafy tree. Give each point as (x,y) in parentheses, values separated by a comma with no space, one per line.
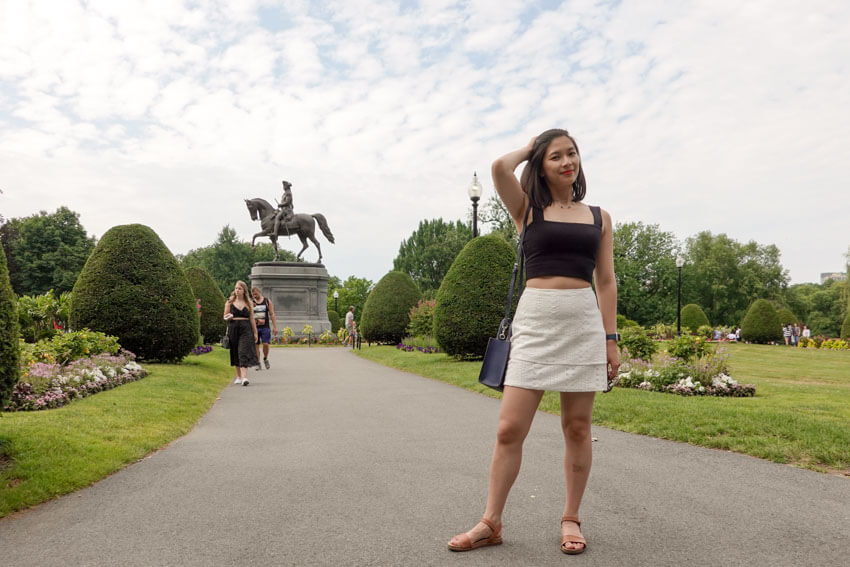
(645,267)
(133,288)
(229,259)
(725,276)
(819,306)
(429,252)
(9,347)
(385,315)
(786,316)
(845,328)
(471,301)
(496,216)
(46,251)
(212,304)
(353,291)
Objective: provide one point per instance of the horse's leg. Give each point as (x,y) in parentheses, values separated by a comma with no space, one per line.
(319,248)
(255,237)
(304,243)
(276,251)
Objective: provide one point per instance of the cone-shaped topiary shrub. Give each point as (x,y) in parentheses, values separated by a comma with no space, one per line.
(693,317)
(845,328)
(133,288)
(471,300)
(9,347)
(384,317)
(761,324)
(334,320)
(212,304)
(786,316)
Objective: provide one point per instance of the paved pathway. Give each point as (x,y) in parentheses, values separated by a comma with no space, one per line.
(329,459)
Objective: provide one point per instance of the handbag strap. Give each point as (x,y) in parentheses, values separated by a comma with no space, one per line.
(518,266)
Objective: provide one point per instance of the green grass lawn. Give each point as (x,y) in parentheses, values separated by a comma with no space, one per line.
(800,414)
(53,452)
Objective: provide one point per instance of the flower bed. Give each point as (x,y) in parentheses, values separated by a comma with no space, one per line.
(202,349)
(411,348)
(51,385)
(707,375)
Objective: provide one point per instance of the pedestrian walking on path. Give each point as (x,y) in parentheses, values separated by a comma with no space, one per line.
(564,335)
(242,331)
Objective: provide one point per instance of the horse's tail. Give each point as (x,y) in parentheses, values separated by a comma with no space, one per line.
(323,224)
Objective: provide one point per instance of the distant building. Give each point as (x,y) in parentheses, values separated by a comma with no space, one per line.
(837,276)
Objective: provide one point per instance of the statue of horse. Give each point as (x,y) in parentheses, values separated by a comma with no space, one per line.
(301,225)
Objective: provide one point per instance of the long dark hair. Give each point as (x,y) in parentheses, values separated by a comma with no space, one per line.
(532,180)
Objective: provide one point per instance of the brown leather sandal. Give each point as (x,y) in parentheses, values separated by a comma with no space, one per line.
(467,544)
(572,538)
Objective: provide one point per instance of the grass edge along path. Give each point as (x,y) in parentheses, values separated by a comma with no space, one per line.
(799,415)
(57,451)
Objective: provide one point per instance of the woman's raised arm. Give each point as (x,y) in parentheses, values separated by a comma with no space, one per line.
(507,184)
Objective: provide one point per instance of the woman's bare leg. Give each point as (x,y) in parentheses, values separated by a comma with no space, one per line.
(515,416)
(576,412)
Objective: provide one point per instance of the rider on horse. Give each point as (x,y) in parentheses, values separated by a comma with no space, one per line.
(284,209)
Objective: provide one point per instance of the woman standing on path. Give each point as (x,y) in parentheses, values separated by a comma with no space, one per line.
(242,330)
(564,336)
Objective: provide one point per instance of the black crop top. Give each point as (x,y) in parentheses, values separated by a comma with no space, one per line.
(554,248)
(236,312)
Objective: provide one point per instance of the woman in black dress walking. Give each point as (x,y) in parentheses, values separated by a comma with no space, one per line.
(242,330)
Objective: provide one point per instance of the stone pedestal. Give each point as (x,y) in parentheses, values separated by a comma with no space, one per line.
(299,293)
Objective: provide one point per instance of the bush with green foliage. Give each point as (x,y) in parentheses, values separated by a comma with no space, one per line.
(422,319)
(761,324)
(385,314)
(66,347)
(9,347)
(212,304)
(688,347)
(705,331)
(637,342)
(693,317)
(335,320)
(38,313)
(471,300)
(786,317)
(133,288)
(623,322)
(845,328)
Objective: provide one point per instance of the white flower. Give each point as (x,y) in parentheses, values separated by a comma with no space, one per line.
(132,366)
(702,389)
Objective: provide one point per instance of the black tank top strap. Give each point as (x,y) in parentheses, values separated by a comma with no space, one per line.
(597,216)
(536,214)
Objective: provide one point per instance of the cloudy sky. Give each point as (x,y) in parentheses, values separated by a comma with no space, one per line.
(697,115)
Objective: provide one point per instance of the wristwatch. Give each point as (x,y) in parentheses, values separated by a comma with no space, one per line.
(613,337)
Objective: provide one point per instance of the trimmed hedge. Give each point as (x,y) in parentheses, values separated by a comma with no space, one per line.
(212,304)
(761,324)
(133,288)
(786,316)
(9,332)
(333,318)
(693,317)
(385,314)
(470,303)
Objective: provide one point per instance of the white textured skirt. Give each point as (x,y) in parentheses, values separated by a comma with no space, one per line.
(558,342)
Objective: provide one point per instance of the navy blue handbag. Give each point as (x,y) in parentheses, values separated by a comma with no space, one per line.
(499,347)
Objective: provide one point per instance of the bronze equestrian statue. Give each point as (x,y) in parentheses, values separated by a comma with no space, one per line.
(281,221)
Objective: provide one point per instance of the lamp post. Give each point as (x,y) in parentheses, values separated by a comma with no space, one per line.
(475,191)
(336,297)
(680,261)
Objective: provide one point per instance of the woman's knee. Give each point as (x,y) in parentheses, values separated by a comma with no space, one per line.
(576,429)
(510,432)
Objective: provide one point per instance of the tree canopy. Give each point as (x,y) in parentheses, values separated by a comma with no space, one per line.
(724,276)
(353,291)
(45,251)
(429,252)
(229,259)
(645,267)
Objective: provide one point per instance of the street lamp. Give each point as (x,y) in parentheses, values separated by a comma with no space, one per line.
(336,297)
(680,261)
(475,190)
